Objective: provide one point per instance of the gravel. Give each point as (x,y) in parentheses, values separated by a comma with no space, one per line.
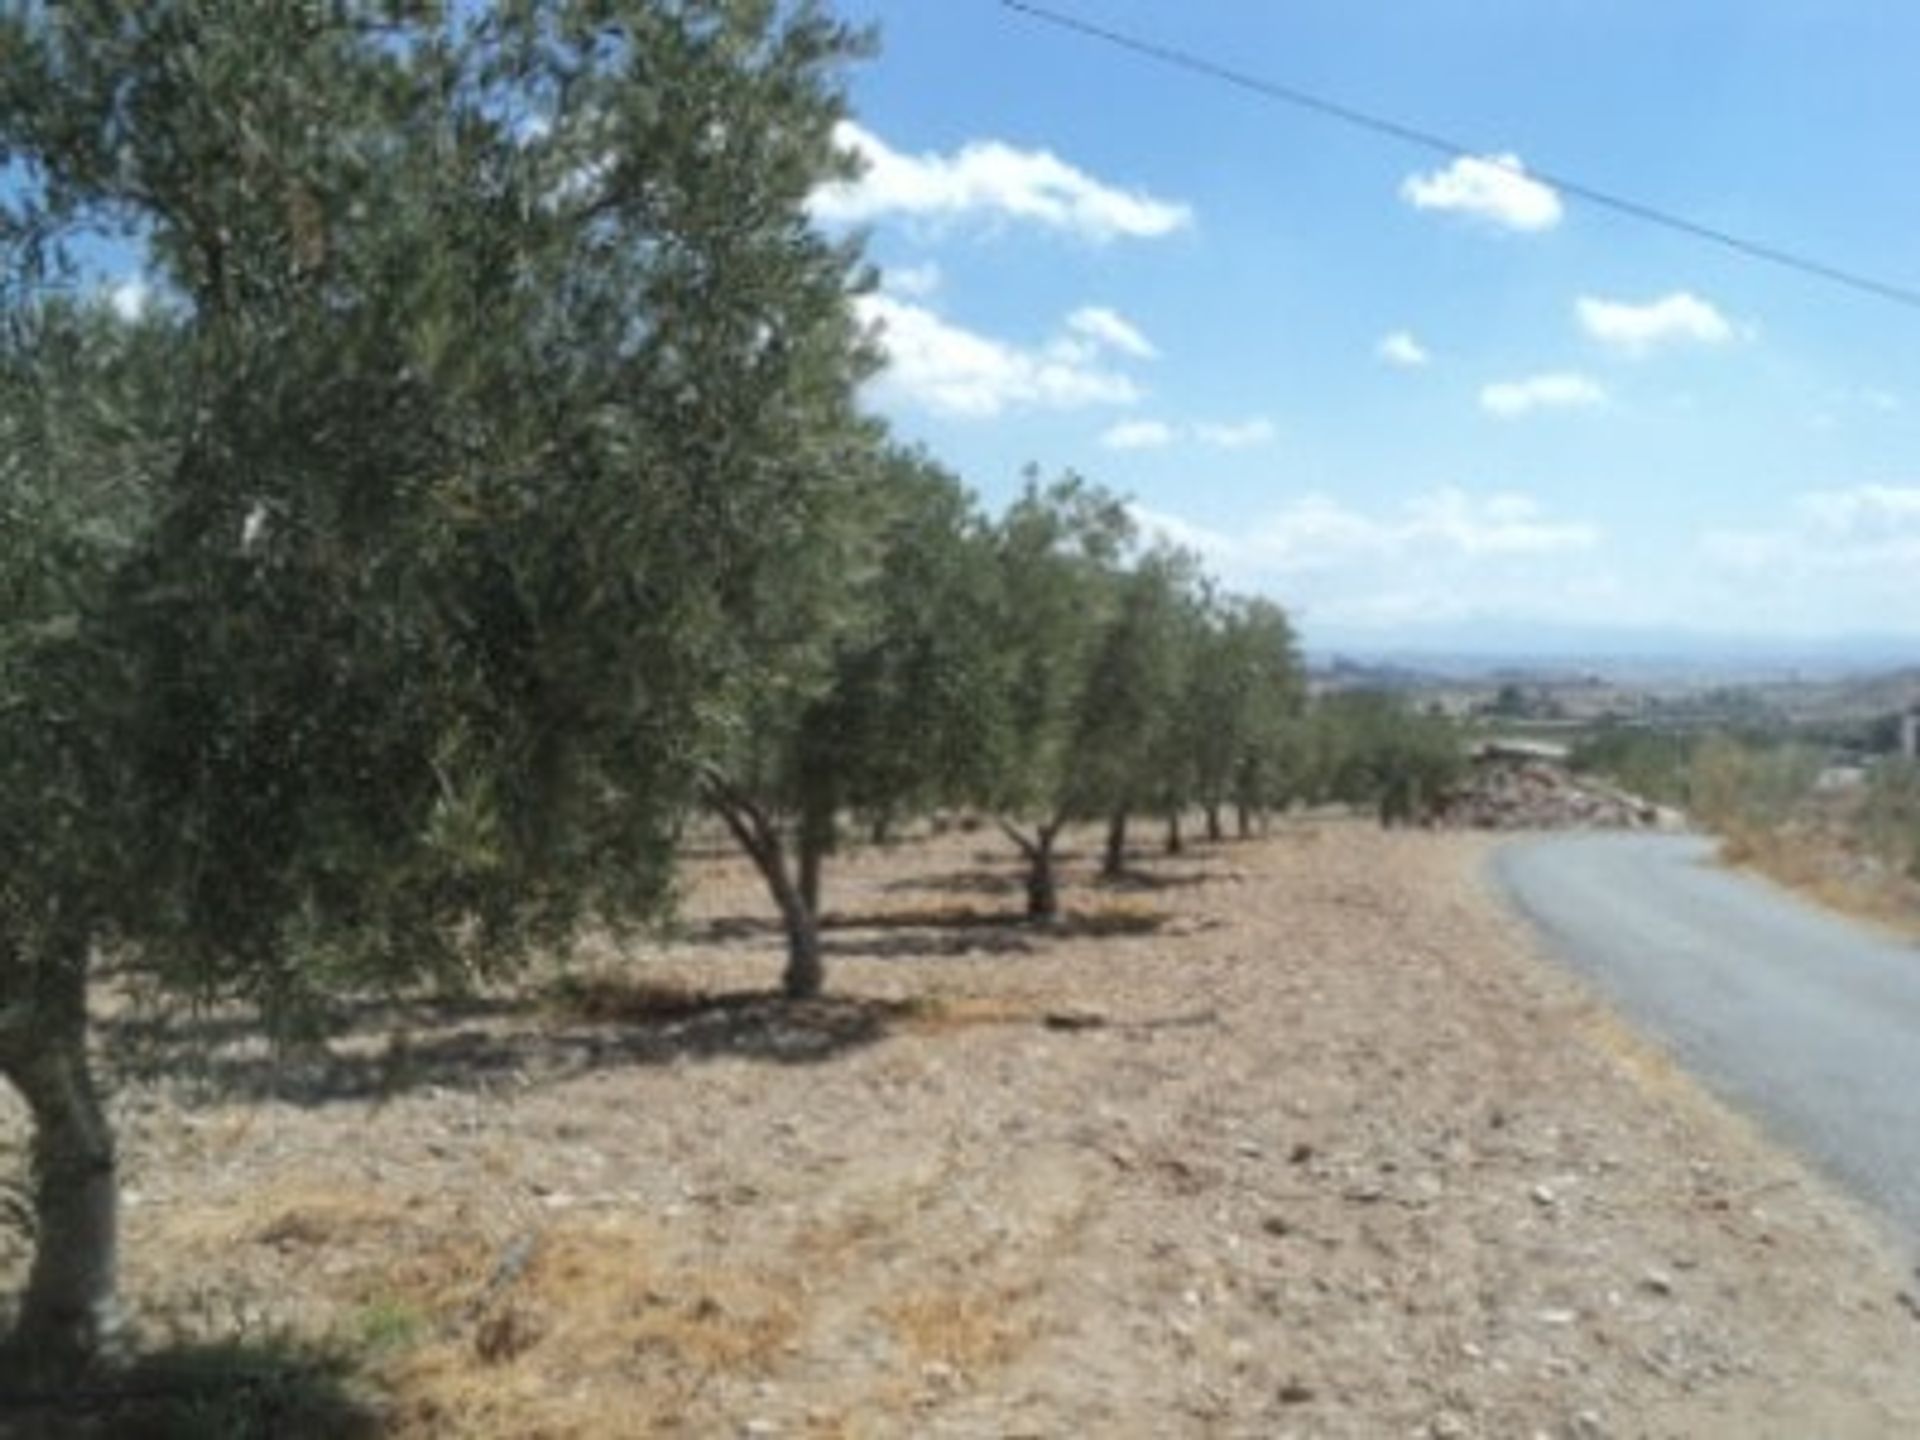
(1309,1208)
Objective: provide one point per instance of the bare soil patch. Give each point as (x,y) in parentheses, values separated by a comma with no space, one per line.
(1302,1138)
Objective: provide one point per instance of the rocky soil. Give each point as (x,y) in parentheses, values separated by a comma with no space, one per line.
(1295,1137)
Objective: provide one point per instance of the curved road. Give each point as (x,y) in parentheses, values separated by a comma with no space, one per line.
(1803,1020)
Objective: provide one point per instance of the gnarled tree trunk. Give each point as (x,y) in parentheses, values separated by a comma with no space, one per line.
(814,842)
(805,975)
(1115,863)
(1043,888)
(70,1311)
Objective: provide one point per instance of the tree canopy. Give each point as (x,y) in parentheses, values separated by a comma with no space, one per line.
(381,594)
(481,490)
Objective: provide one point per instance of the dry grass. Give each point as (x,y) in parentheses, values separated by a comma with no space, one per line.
(599,1311)
(613,998)
(1816,864)
(333,1220)
(970,1331)
(297,1213)
(935,1014)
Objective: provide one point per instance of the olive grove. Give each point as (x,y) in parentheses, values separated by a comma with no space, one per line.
(476,490)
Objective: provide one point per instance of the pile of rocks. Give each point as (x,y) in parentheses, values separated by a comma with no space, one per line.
(1524,788)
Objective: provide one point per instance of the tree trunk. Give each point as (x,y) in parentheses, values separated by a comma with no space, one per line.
(805,976)
(1245,817)
(1176,844)
(70,1311)
(806,973)
(1214,832)
(1043,889)
(1115,864)
(815,843)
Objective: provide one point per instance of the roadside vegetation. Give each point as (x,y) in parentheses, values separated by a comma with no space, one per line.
(476,503)
(1829,809)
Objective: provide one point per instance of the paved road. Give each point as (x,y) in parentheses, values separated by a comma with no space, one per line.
(1803,1020)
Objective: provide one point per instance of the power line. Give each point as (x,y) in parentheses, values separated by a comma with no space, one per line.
(1433,141)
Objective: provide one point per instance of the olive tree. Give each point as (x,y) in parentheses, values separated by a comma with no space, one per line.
(1376,751)
(897,720)
(1057,552)
(1129,752)
(372,609)
(1269,698)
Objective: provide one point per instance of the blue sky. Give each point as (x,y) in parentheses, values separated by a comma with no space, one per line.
(1416,401)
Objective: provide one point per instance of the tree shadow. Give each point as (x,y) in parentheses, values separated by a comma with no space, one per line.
(941,931)
(722,929)
(1133,878)
(236,1390)
(973,942)
(575,1028)
(920,934)
(959,882)
(144,1042)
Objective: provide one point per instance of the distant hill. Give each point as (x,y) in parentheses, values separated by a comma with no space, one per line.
(1485,650)
(1342,673)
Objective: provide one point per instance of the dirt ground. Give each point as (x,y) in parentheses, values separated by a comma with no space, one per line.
(1294,1137)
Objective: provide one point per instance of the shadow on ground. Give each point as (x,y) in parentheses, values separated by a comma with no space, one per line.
(540,1040)
(1148,881)
(959,882)
(934,931)
(382,1048)
(233,1391)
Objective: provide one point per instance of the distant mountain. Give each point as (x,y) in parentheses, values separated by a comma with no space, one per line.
(1479,649)
(1340,672)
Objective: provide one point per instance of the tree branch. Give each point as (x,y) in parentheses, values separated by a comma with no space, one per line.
(1027,847)
(748,823)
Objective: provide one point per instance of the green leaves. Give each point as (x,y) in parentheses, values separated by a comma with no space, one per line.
(370,610)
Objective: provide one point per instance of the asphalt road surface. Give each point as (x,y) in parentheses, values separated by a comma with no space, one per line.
(1805,1021)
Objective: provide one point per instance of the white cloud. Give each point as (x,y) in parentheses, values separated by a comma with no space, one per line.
(130,298)
(1211,545)
(1865,512)
(1496,188)
(1242,436)
(1402,350)
(992,180)
(954,371)
(1139,435)
(1444,554)
(1105,327)
(1846,534)
(1157,434)
(1840,559)
(916,282)
(1317,532)
(1510,399)
(1506,523)
(1637,329)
